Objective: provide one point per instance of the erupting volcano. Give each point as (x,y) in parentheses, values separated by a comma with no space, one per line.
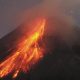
(27,52)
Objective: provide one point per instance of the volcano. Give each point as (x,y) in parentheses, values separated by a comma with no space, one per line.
(61,60)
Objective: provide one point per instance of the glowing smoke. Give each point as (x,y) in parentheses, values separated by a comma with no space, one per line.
(61,24)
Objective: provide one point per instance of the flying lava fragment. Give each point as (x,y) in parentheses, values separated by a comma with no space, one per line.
(27,53)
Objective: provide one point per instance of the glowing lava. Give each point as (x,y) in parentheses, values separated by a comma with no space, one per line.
(27,53)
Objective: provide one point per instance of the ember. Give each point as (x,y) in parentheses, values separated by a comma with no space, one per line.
(27,53)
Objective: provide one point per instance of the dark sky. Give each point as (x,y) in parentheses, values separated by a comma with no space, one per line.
(9,10)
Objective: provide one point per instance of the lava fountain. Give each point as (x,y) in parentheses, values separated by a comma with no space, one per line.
(27,53)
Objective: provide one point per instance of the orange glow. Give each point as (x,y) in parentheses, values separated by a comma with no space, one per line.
(28,53)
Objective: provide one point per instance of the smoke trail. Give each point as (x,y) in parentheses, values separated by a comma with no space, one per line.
(62,24)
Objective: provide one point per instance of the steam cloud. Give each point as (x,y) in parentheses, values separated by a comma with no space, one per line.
(62,24)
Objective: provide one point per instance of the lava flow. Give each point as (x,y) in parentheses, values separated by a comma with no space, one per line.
(28,52)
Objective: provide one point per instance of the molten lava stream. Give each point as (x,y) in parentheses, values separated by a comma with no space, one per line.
(28,53)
